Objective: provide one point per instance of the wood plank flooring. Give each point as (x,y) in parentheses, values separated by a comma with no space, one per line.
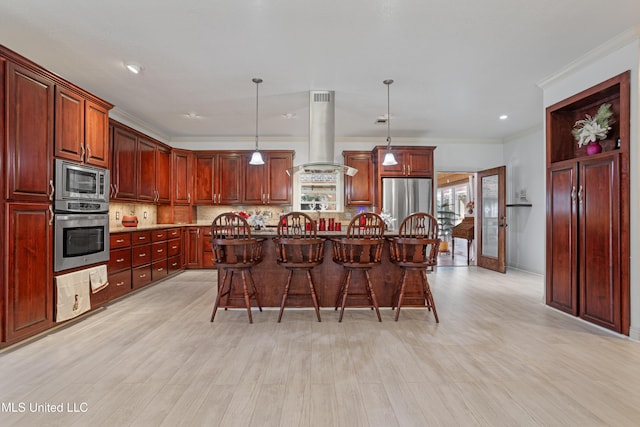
(499,357)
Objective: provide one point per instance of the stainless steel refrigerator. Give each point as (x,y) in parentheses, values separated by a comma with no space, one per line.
(403,196)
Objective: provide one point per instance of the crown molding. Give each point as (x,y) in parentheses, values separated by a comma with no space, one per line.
(140,125)
(632,34)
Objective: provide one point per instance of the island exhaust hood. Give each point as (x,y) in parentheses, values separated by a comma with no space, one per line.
(322,136)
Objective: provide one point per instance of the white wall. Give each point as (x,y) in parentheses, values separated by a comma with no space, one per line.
(524,156)
(620,55)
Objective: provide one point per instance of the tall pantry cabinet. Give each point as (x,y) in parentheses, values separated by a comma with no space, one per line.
(587,257)
(29,118)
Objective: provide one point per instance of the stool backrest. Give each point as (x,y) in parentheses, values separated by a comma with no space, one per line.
(230,225)
(296,224)
(367,225)
(420,224)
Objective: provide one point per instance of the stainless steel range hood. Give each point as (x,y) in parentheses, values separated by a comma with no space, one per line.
(322,136)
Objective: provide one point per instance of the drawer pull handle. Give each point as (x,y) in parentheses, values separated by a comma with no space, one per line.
(160,251)
(142,276)
(120,260)
(120,241)
(120,284)
(174,247)
(142,238)
(160,269)
(142,255)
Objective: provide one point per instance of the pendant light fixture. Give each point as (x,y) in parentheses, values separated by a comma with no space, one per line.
(256,157)
(389,158)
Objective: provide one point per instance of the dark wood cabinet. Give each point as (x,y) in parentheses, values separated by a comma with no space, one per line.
(82,128)
(192,248)
(29,143)
(153,172)
(412,161)
(268,184)
(229,182)
(206,166)
(588,243)
(359,189)
(182,177)
(123,164)
(29,292)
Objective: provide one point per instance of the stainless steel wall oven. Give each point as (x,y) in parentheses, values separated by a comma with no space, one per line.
(81,235)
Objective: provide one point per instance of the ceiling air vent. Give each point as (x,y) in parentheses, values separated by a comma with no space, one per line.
(321,96)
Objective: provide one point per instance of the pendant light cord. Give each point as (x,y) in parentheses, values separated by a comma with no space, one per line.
(257,82)
(388,83)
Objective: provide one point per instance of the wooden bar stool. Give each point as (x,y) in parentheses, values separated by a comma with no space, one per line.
(298,249)
(361,250)
(415,249)
(235,250)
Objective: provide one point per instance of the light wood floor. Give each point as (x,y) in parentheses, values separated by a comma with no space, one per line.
(499,357)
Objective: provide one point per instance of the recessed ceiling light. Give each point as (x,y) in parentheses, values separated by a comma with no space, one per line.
(290,116)
(503,117)
(133,67)
(192,115)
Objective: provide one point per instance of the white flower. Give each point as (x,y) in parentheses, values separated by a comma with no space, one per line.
(387,218)
(591,129)
(257,219)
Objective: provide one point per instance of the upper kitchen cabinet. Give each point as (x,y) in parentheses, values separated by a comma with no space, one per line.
(123,163)
(82,128)
(182,177)
(29,130)
(359,189)
(204,188)
(140,166)
(229,182)
(412,161)
(153,172)
(268,184)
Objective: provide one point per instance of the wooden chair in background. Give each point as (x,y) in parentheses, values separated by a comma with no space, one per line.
(361,250)
(298,249)
(415,249)
(234,250)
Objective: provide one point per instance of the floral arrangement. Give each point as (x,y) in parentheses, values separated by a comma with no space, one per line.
(590,128)
(243,214)
(257,219)
(387,218)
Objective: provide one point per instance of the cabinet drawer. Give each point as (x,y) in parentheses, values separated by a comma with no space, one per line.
(158,251)
(141,276)
(158,235)
(120,240)
(173,264)
(159,270)
(141,255)
(119,284)
(120,259)
(174,233)
(140,237)
(173,247)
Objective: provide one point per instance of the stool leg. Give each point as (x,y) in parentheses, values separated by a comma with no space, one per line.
(255,291)
(313,295)
(219,294)
(345,293)
(247,300)
(343,277)
(229,291)
(285,294)
(372,295)
(401,293)
(428,295)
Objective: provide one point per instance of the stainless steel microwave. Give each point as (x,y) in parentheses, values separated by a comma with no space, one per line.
(80,188)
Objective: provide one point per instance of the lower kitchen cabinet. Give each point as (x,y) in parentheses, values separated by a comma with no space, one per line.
(29,284)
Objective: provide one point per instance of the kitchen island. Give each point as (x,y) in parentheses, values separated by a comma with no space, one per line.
(270,279)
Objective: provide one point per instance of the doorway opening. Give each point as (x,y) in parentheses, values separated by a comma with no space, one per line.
(455,211)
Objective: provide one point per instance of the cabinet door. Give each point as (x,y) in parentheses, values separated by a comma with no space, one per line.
(69,141)
(123,168)
(96,135)
(146,168)
(229,175)
(562,227)
(359,189)
(206,166)
(419,163)
(599,222)
(182,177)
(163,174)
(30,284)
(254,183)
(192,248)
(29,145)
(279,183)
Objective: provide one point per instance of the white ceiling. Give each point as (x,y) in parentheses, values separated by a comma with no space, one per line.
(457,65)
